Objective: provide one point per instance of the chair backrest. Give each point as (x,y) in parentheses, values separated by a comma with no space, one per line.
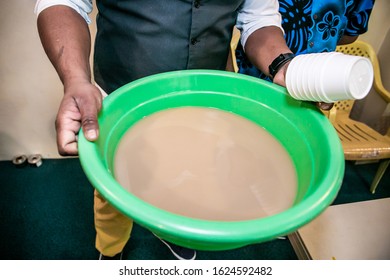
(364,49)
(344,105)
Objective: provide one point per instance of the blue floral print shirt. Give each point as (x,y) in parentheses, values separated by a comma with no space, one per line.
(313,26)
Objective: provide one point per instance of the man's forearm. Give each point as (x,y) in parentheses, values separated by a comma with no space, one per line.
(264,45)
(66,39)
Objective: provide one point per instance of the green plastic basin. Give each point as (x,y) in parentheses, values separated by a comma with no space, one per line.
(300,127)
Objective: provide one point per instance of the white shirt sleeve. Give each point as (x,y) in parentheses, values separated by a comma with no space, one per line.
(255,14)
(83,7)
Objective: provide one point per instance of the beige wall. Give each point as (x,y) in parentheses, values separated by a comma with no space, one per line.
(379,24)
(30,90)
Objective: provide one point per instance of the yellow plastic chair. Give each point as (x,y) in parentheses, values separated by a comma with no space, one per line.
(359,141)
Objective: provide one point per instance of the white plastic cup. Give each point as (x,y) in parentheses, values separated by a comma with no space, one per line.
(347,77)
(300,78)
(320,66)
(308,78)
(293,82)
(313,80)
(329,77)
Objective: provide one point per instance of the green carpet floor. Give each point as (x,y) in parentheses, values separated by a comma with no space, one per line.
(46,213)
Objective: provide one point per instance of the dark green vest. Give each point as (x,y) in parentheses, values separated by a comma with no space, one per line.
(137,38)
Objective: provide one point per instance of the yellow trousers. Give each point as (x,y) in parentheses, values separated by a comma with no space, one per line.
(113,229)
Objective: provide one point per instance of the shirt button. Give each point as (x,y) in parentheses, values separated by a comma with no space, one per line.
(197,4)
(194,41)
(311,44)
(315,16)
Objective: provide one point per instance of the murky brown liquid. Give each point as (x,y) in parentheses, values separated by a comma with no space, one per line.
(206,163)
